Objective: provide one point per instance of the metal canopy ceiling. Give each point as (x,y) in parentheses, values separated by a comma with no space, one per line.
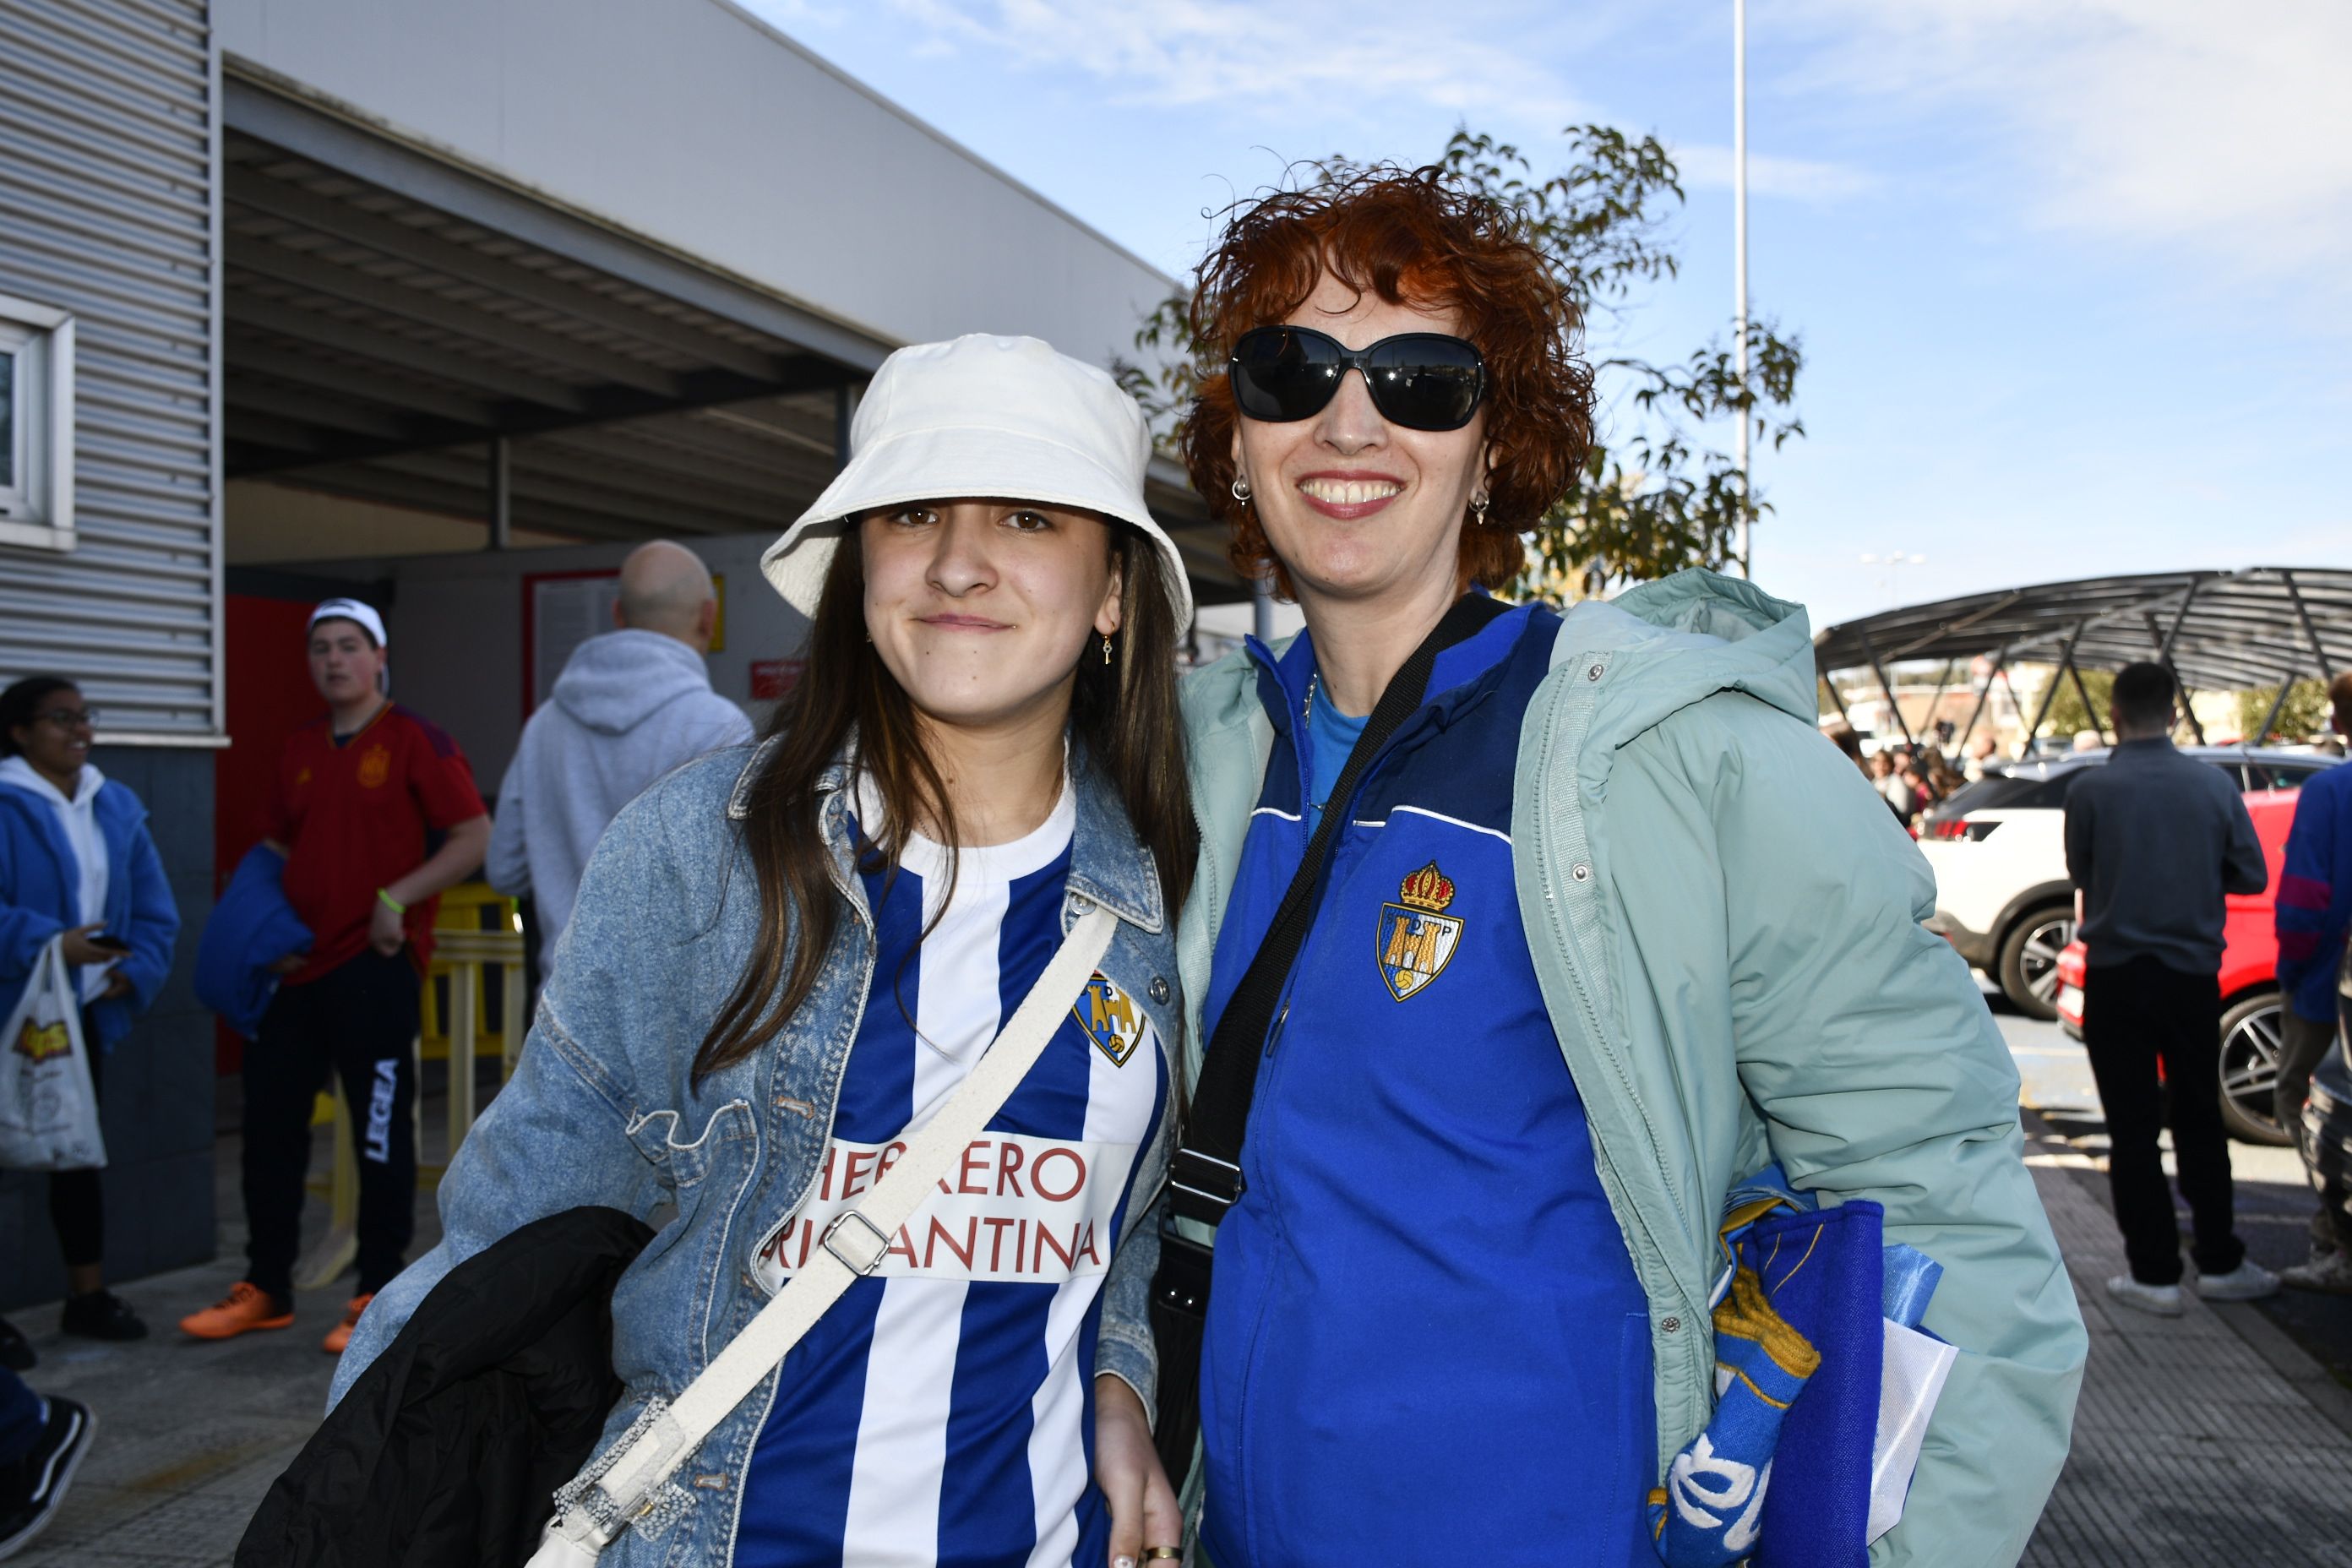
(2222,630)
(402,331)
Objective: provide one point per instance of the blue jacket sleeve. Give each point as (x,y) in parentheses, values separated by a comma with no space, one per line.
(24,930)
(154,929)
(2309,921)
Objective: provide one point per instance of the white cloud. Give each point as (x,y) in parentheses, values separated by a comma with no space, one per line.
(2145,120)
(1709,167)
(1197,52)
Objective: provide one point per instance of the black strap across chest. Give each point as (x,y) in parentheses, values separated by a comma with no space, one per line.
(1206,1177)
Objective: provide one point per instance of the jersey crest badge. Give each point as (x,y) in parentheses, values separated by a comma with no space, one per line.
(1110,1018)
(375,766)
(1416,937)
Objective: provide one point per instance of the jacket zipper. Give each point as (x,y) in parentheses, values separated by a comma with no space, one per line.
(1592,1012)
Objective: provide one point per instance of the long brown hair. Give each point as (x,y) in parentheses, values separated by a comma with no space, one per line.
(848,707)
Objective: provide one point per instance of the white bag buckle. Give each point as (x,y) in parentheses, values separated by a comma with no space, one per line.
(875,1245)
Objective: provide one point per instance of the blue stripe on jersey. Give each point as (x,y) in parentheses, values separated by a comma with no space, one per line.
(877,1094)
(822,1384)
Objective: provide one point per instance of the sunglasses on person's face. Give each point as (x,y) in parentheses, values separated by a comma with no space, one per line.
(1423,381)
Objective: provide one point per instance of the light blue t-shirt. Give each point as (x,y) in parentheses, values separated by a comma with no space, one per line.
(1333,736)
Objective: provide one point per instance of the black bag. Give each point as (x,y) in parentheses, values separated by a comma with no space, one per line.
(1204,1177)
(447,1452)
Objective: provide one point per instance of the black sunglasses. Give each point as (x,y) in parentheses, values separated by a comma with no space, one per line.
(1423,381)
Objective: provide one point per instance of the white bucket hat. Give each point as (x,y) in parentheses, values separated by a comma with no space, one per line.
(980,417)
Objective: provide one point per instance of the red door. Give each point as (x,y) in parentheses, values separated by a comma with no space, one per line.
(269,692)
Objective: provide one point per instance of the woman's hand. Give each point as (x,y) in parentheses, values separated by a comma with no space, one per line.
(77,948)
(1143,1509)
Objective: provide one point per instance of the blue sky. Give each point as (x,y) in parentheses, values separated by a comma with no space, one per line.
(2070,274)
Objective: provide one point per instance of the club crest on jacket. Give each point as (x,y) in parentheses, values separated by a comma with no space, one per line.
(1415,939)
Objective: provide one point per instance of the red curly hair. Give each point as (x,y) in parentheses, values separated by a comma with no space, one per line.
(1414,238)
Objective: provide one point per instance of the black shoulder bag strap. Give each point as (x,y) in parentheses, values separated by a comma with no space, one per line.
(1204,1178)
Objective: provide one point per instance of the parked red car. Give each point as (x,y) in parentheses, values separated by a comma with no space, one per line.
(2249,993)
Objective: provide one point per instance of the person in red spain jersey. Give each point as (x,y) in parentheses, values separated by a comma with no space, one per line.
(376,813)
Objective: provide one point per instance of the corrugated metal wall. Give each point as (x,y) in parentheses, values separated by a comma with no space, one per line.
(110,208)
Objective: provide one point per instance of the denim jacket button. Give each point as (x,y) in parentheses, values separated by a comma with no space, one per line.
(1159,989)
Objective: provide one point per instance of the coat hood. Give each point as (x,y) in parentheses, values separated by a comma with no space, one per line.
(1694,634)
(614,682)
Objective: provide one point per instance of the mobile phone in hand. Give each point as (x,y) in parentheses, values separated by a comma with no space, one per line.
(109,942)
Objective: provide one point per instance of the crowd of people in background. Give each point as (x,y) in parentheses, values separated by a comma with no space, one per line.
(1915,778)
(317,947)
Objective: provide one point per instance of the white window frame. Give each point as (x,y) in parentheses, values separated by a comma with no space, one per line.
(37,510)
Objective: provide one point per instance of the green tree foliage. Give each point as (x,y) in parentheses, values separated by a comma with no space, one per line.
(1652,497)
(2068,718)
(2303,715)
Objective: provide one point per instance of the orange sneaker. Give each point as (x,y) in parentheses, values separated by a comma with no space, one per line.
(339,1338)
(246,1308)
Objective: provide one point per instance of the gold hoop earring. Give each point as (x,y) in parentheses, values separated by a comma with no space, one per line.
(1241,488)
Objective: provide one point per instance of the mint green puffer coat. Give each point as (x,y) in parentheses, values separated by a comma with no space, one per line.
(1725,922)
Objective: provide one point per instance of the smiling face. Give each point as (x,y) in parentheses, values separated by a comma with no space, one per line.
(56,750)
(982,609)
(344,662)
(1356,508)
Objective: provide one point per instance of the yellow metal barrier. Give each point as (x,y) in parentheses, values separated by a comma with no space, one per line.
(462,953)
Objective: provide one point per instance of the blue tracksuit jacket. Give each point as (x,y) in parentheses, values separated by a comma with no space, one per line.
(2315,894)
(1418,1162)
(40,893)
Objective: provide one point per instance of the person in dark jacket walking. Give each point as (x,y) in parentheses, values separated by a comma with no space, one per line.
(2314,906)
(78,866)
(2154,841)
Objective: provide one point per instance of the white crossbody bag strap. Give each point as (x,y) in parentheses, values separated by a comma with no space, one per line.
(621,1484)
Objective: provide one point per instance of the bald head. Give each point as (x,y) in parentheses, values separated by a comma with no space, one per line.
(665,588)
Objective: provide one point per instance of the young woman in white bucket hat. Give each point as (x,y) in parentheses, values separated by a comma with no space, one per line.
(786,960)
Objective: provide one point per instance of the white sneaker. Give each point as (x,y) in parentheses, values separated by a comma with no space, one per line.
(2330,1272)
(2164,1300)
(2249,1281)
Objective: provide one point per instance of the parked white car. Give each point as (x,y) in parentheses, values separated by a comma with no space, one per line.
(1999,851)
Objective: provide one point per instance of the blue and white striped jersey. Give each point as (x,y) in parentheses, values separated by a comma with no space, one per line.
(942,1412)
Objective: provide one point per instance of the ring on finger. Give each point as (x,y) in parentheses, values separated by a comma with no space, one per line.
(1170,1553)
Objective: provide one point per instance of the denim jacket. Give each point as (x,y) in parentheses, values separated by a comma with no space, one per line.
(600,1109)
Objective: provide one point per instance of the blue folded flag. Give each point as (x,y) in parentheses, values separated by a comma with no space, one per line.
(1781,1475)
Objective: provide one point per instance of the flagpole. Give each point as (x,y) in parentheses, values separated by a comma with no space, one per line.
(1740,254)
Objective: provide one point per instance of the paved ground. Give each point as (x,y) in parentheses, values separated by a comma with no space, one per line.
(2215,1439)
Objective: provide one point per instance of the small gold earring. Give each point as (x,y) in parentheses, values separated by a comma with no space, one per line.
(1106,647)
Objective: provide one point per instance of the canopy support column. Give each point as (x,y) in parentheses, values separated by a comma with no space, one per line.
(1886,690)
(501,479)
(1983,697)
(2089,708)
(2050,693)
(2302,611)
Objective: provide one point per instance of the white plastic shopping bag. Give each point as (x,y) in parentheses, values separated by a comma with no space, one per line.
(1911,1377)
(48,1111)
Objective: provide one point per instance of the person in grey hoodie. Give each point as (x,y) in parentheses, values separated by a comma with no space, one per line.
(630,705)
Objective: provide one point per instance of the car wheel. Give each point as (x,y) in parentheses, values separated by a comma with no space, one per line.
(2028,969)
(2249,1058)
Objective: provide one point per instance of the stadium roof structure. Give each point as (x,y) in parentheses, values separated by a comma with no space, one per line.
(2262,625)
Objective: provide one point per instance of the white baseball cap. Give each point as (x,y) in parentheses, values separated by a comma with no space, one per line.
(984,416)
(350,610)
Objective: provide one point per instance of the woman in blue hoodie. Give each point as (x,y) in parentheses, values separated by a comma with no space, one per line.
(77,866)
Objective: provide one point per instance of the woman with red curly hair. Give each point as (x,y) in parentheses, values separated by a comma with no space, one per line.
(1518,940)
